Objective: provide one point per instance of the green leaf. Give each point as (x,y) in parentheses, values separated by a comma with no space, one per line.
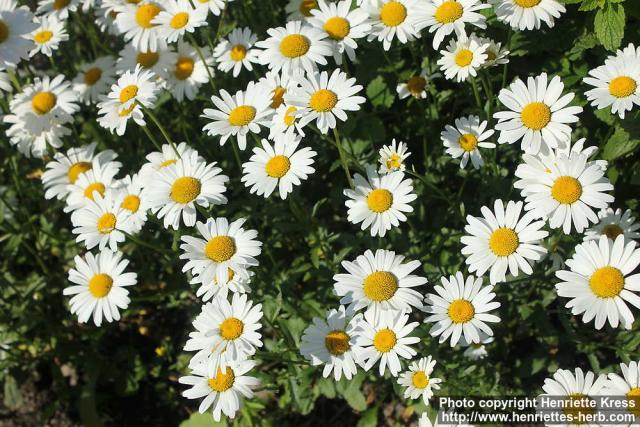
(202,420)
(378,93)
(620,144)
(369,418)
(609,26)
(588,5)
(12,395)
(352,393)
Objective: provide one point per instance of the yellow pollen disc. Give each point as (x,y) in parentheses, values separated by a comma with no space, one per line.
(166,163)
(100,285)
(147,59)
(179,20)
(238,52)
(146,13)
(223,381)
(463,57)
(42,36)
(337,27)
(126,111)
(242,115)
(379,200)
(4,31)
(491,55)
(289,118)
(566,190)
(185,189)
(76,169)
(294,45)
(128,93)
(622,86)
(60,4)
(606,282)
(91,188)
(220,248)
(504,241)
(461,311)
(448,12)
(337,342)
(416,85)
(612,231)
(306,6)
(394,162)
(380,286)
(536,115)
(184,68)
(323,100)
(92,75)
(131,203)
(278,97)
(634,395)
(468,142)
(527,3)
(43,102)
(384,340)
(231,328)
(393,14)
(106,223)
(420,380)
(278,166)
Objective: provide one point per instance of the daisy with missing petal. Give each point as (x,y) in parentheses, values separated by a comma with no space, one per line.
(157,61)
(94,79)
(215,6)
(178,18)
(280,166)
(169,155)
(333,342)
(447,16)
(100,286)
(16,25)
(460,308)
(136,24)
(527,14)
(614,223)
(538,114)
(98,178)
(462,58)
(188,72)
(379,202)
(392,157)
(58,9)
(133,201)
(284,121)
(616,84)
(476,350)
(224,247)
(386,339)
(503,240)
(626,385)
(300,9)
(392,19)
(379,282)
(48,35)
(297,46)
(576,389)
(176,189)
(237,283)
(465,138)
(416,86)
(600,281)
(237,51)
(417,380)
(238,115)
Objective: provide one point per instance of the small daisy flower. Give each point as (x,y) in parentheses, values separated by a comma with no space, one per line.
(496,54)
(465,139)
(447,16)
(48,35)
(476,350)
(573,388)
(105,15)
(188,72)
(136,24)
(300,9)
(238,283)
(115,118)
(392,157)
(391,19)
(215,6)
(527,14)
(417,380)
(537,114)
(133,201)
(57,9)
(379,202)
(503,240)
(16,26)
(161,159)
(626,385)
(278,84)
(98,178)
(463,58)
(279,166)
(100,286)
(285,121)
(237,51)
(600,281)
(95,79)
(612,224)
(386,339)
(157,61)
(178,18)
(333,342)
(416,86)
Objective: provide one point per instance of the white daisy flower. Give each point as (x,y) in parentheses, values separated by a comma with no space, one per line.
(48,35)
(131,198)
(237,51)
(333,342)
(391,19)
(417,380)
(16,26)
(600,281)
(57,9)
(463,58)
(284,121)
(612,224)
(476,350)
(447,16)
(237,283)
(300,9)
(392,157)
(496,54)
(99,178)
(379,202)
(280,166)
(105,15)
(156,61)
(537,114)
(278,84)
(527,14)
(5,82)
(115,118)
(100,286)
(188,72)
(575,389)
(215,6)
(169,155)
(416,86)
(95,79)
(503,240)
(465,139)
(177,18)
(626,385)
(136,24)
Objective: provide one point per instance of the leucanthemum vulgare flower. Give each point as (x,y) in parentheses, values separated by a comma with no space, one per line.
(284,121)
(240,114)
(48,35)
(574,388)
(416,86)
(129,193)
(114,118)
(465,140)
(278,84)
(386,339)
(333,342)
(448,16)
(168,155)
(187,72)
(379,202)
(100,286)
(215,6)
(391,19)
(379,282)
(496,54)
(476,350)
(105,15)
(177,18)
(613,224)
(503,240)
(297,46)
(527,14)
(460,308)
(238,283)
(237,51)
(16,25)
(417,380)
(323,97)
(223,390)
(95,79)
(392,157)
(280,166)
(537,114)
(135,23)
(157,61)
(58,9)
(342,25)
(226,332)
(98,178)
(462,58)
(626,385)
(224,249)
(300,9)
(176,189)
(600,282)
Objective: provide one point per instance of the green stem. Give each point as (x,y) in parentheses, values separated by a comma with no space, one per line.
(202,58)
(236,153)
(486,84)
(145,244)
(222,15)
(14,79)
(343,160)
(164,133)
(476,93)
(152,138)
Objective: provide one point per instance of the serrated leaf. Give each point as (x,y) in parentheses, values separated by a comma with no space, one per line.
(588,5)
(609,26)
(620,144)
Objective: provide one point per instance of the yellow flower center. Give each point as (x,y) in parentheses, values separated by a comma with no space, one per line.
(606,282)
(131,203)
(76,169)
(223,381)
(566,190)
(184,68)
(166,163)
(278,97)
(536,115)
(220,248)
(622,86)
(384,340)
(463,57)
(461,311)
(306,6)
(100,285)
(278,166)
(289,117)
(337,27)
(612,231)
(106,223)
(527,3)
(634,395)
(379,200)
(242,115)
(448,12)
(42,36)
(92,75)
(394,161)
(337,342)
(393,14)
(4,31)
(238,52)
(504,241)
(128,93)
(420,380)
(231,328)
(294,45)
(179,20)
(147,59)
(468,142)
(323,100)
(185,189)
(146,13)
(43,102)
(91,188)
(416,85)
(380,286)
(60,4)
